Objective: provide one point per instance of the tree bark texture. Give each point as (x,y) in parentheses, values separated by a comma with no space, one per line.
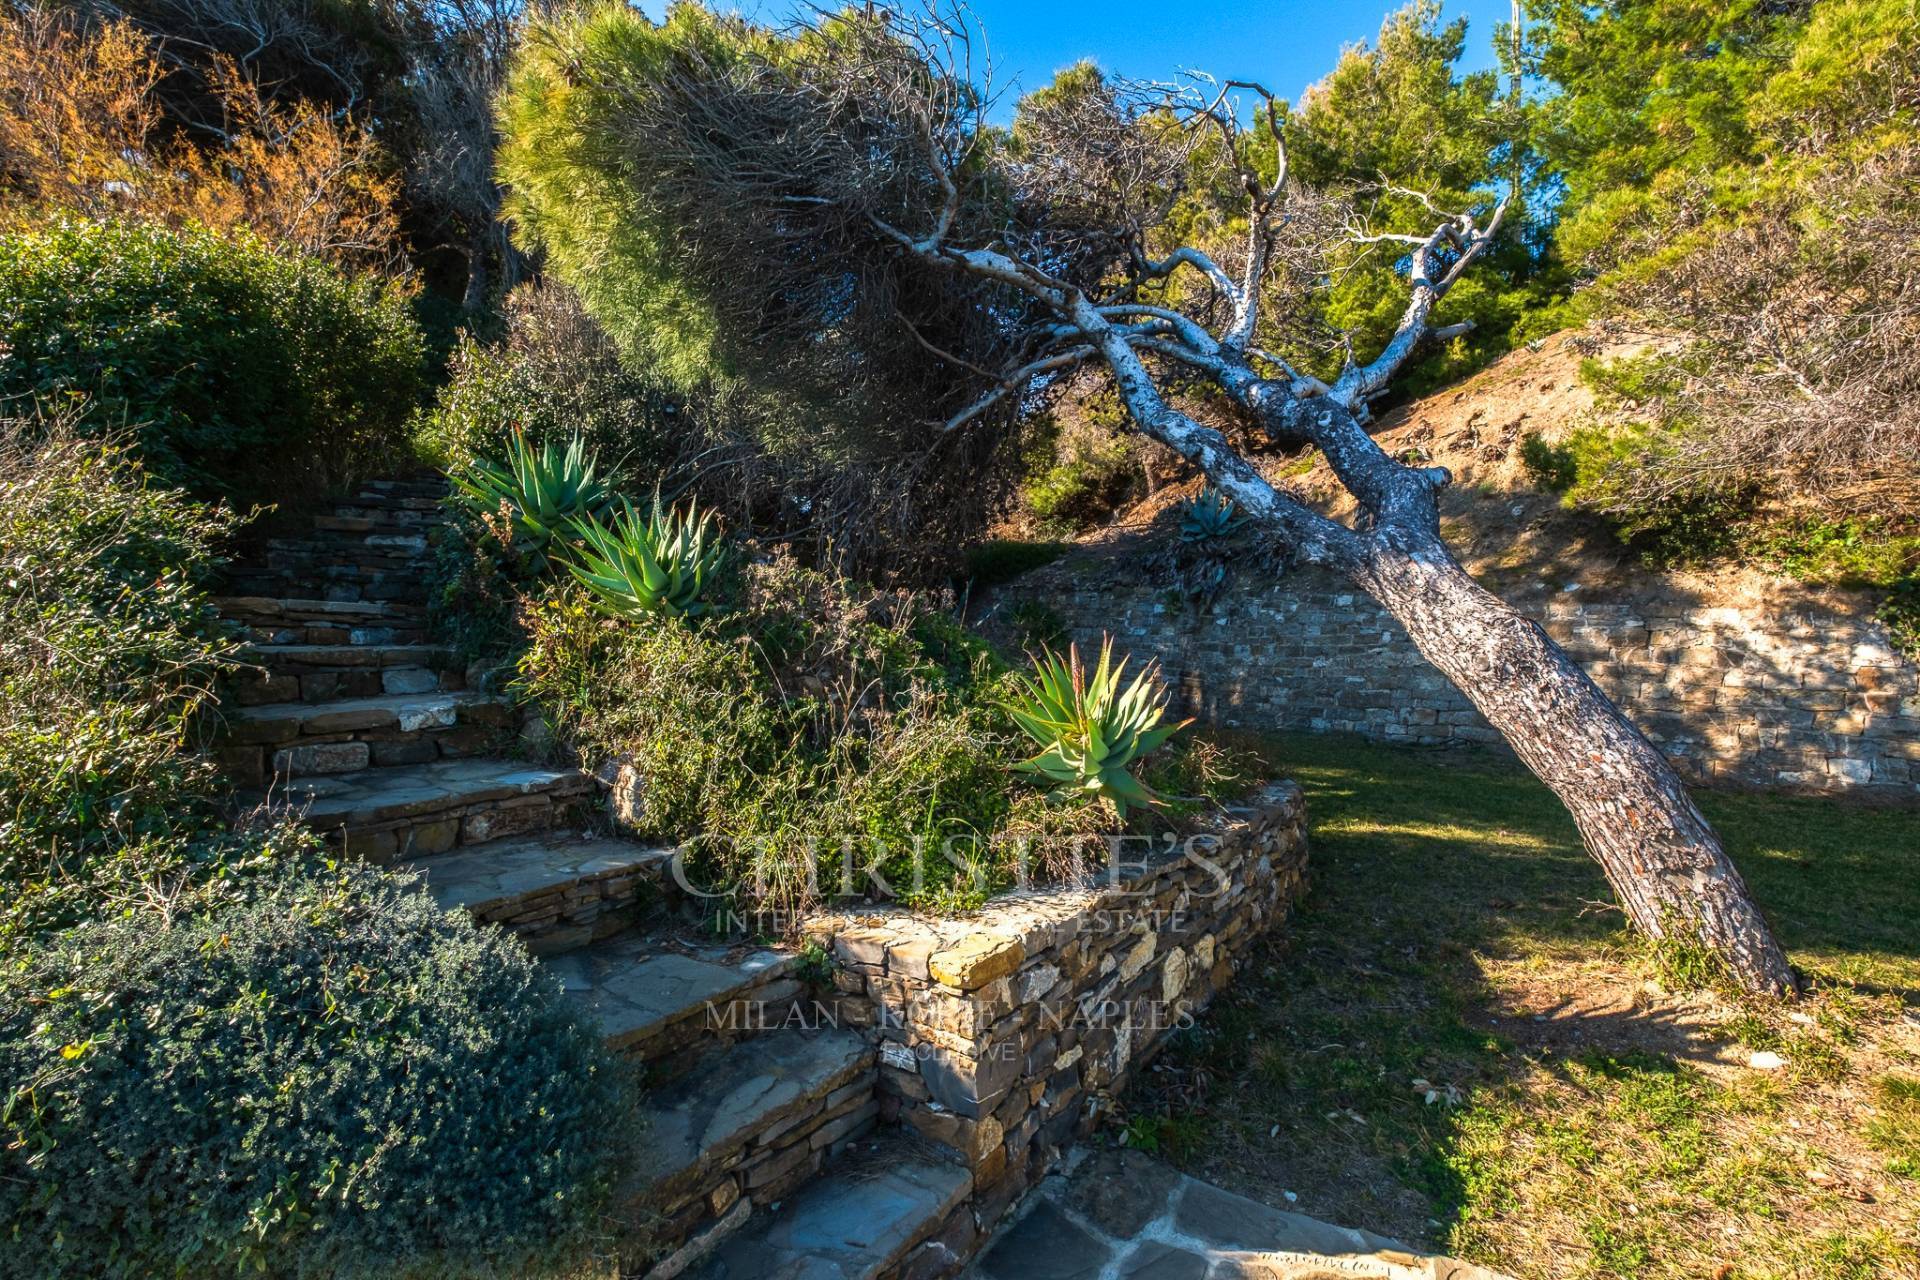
(1665,864)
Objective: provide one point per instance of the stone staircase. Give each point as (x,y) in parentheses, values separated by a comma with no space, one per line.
(763,1155)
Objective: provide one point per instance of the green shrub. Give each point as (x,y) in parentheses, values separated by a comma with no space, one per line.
(1856,552)
(473,583)
(1080,469)
(1548,465)
(1900,614)
(806,713)
(1037,625)
(1694,521)
(555,377)
(1081,490)
(239,372)
(330,1078)
(108,654)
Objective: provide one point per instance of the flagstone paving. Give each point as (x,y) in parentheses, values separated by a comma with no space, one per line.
(1122,1215)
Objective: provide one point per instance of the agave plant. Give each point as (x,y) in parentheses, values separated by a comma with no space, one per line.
(1210,515)
(648,564)
(542,491)
(1090,728)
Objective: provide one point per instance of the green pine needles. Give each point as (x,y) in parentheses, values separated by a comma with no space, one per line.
(637,565)
(543,491)
(1091,729)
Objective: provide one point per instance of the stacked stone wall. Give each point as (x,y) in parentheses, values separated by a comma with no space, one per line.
(1005,1035)
(1804,700)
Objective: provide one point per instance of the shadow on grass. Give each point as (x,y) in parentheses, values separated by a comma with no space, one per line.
(1456,938)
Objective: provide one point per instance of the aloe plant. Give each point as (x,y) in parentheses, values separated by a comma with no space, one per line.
(1090,728)
(637,564)
(543,491)
(1210,515)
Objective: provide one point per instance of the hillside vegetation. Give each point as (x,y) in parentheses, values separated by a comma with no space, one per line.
(1512,528)
(1717,198)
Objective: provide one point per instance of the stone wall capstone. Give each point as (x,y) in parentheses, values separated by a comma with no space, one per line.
(1799,700)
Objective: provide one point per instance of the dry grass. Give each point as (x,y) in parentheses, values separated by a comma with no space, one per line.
(1455,1041)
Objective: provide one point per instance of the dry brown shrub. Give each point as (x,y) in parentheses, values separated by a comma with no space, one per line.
(80,129)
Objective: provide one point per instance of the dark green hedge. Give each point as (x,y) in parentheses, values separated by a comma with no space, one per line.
(242,373)
(327,1078)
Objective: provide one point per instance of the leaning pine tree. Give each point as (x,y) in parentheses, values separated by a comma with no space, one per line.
(831,204)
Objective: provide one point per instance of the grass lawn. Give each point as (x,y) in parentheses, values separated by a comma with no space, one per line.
(1456,1042)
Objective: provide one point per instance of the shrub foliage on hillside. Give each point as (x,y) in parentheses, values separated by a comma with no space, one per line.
(820,739)
(556,377)
(807,712)
(108,653)
(1755,198)
(236,370)
(82,130)
(829,396)
(330,1077)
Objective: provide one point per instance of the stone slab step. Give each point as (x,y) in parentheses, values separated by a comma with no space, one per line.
(428,488)
(424,499)
(343,567)
(756,1120)
(418,810)
(325,672)
(381,541)
(280,723)
(333,583)
(287,739)
(856,1221)
(369,650)
(265,611)
(363,518)
(308,620)
(652,1003)
(1118,1212)
(556,893)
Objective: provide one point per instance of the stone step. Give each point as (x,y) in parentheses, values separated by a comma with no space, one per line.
(301,739)
(282,615)
(341,567)
(1117,1212)
(348,657)
(555,893)
(408,589)
(363,518)
(756,1122)
(338,568)
(423,488)
(319,673)
(416,810)
(859,1220)
(664,1007)
(375,547)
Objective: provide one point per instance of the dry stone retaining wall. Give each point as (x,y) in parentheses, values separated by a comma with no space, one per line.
(1004,1035)
(1803,700)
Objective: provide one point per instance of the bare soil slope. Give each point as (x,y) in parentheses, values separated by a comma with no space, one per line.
(1514,536)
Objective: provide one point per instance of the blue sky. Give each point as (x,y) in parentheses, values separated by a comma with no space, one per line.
(1286,44)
